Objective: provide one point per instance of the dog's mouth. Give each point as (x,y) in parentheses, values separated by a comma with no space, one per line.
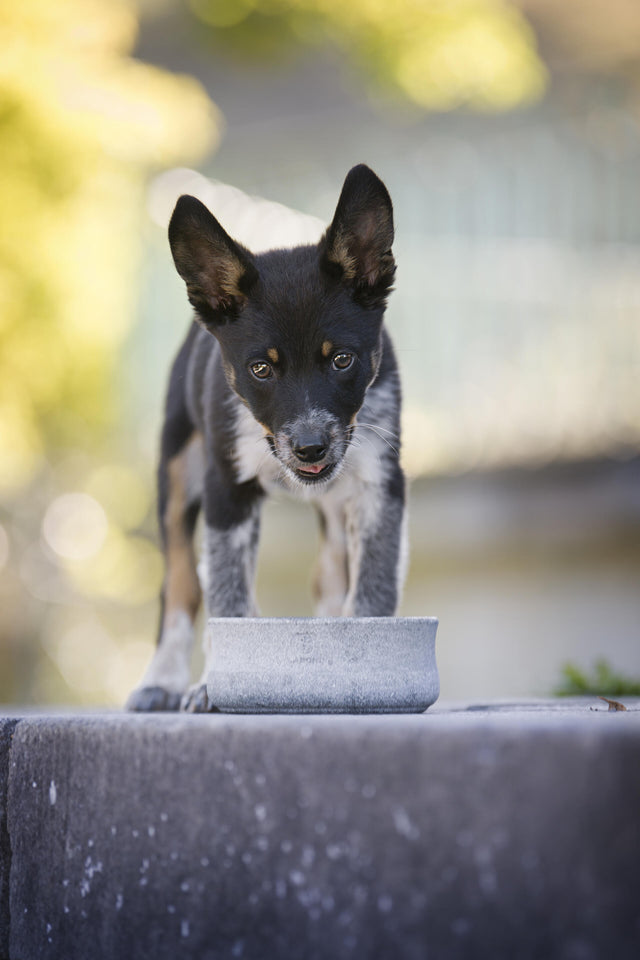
(304,471)
(312,472)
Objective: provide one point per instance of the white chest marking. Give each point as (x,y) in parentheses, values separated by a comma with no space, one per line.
(253,457)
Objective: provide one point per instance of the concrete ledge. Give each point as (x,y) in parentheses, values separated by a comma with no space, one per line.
(488,832)
(6,733)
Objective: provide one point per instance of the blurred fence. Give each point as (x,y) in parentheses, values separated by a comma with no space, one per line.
(518,286)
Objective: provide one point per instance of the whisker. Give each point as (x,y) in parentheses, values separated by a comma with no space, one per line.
(266,453)
(376,426)
(369,441)
(370,426)
(362,439)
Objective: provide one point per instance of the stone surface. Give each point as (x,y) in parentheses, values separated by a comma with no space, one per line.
(490,831)
(323,665)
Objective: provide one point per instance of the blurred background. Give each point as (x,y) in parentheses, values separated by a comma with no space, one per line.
(508,134)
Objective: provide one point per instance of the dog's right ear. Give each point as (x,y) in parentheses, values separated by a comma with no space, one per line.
(357,246)
(218,272)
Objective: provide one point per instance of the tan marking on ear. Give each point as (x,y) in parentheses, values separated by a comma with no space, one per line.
(327,347)
(210,270)
(362,254)
(182,588)
(341,254)
(228,273)
(273,355)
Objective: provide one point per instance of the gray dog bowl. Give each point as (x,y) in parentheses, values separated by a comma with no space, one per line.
(323,665)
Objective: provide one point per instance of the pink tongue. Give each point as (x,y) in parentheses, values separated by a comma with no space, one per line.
(311,468)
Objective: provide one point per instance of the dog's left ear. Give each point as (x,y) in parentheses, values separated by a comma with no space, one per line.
(357,246)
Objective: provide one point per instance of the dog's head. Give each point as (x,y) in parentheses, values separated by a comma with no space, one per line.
(299,330)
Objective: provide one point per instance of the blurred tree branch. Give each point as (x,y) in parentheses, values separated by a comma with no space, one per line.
(433,54)
(81,126)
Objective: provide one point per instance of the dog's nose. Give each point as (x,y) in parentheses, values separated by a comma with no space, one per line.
(309,449)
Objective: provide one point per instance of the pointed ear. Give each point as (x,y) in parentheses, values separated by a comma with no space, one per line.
(357,245)
(218,272)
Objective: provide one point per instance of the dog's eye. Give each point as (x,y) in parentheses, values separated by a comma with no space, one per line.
(342,361)
(261,370)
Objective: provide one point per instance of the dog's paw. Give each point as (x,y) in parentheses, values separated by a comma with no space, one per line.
(152,700)
(196,700)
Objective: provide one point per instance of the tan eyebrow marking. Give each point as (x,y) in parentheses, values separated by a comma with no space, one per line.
(272,353)
(327,347)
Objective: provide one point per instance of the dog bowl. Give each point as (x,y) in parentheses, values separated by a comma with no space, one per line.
(323,665)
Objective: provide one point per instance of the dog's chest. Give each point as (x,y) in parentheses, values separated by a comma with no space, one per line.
(252,455)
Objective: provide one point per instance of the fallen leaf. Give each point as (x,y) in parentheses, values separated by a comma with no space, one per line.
(613,704)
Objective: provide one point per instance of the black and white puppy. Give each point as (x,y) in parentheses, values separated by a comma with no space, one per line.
(287,379)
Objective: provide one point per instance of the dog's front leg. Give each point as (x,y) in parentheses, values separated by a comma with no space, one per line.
(377,547)
(228,570)
(331,582)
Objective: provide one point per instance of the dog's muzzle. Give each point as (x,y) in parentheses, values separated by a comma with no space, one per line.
(311,449)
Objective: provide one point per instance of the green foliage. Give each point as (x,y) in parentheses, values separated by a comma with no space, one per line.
(603,681)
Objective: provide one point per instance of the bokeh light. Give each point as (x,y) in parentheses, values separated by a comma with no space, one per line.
(75,526)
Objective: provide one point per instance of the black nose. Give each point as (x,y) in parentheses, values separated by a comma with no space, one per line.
(309,449)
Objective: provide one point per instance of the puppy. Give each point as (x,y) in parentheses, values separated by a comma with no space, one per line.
(287,380)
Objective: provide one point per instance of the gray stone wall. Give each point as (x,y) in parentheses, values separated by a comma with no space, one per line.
(464,832)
